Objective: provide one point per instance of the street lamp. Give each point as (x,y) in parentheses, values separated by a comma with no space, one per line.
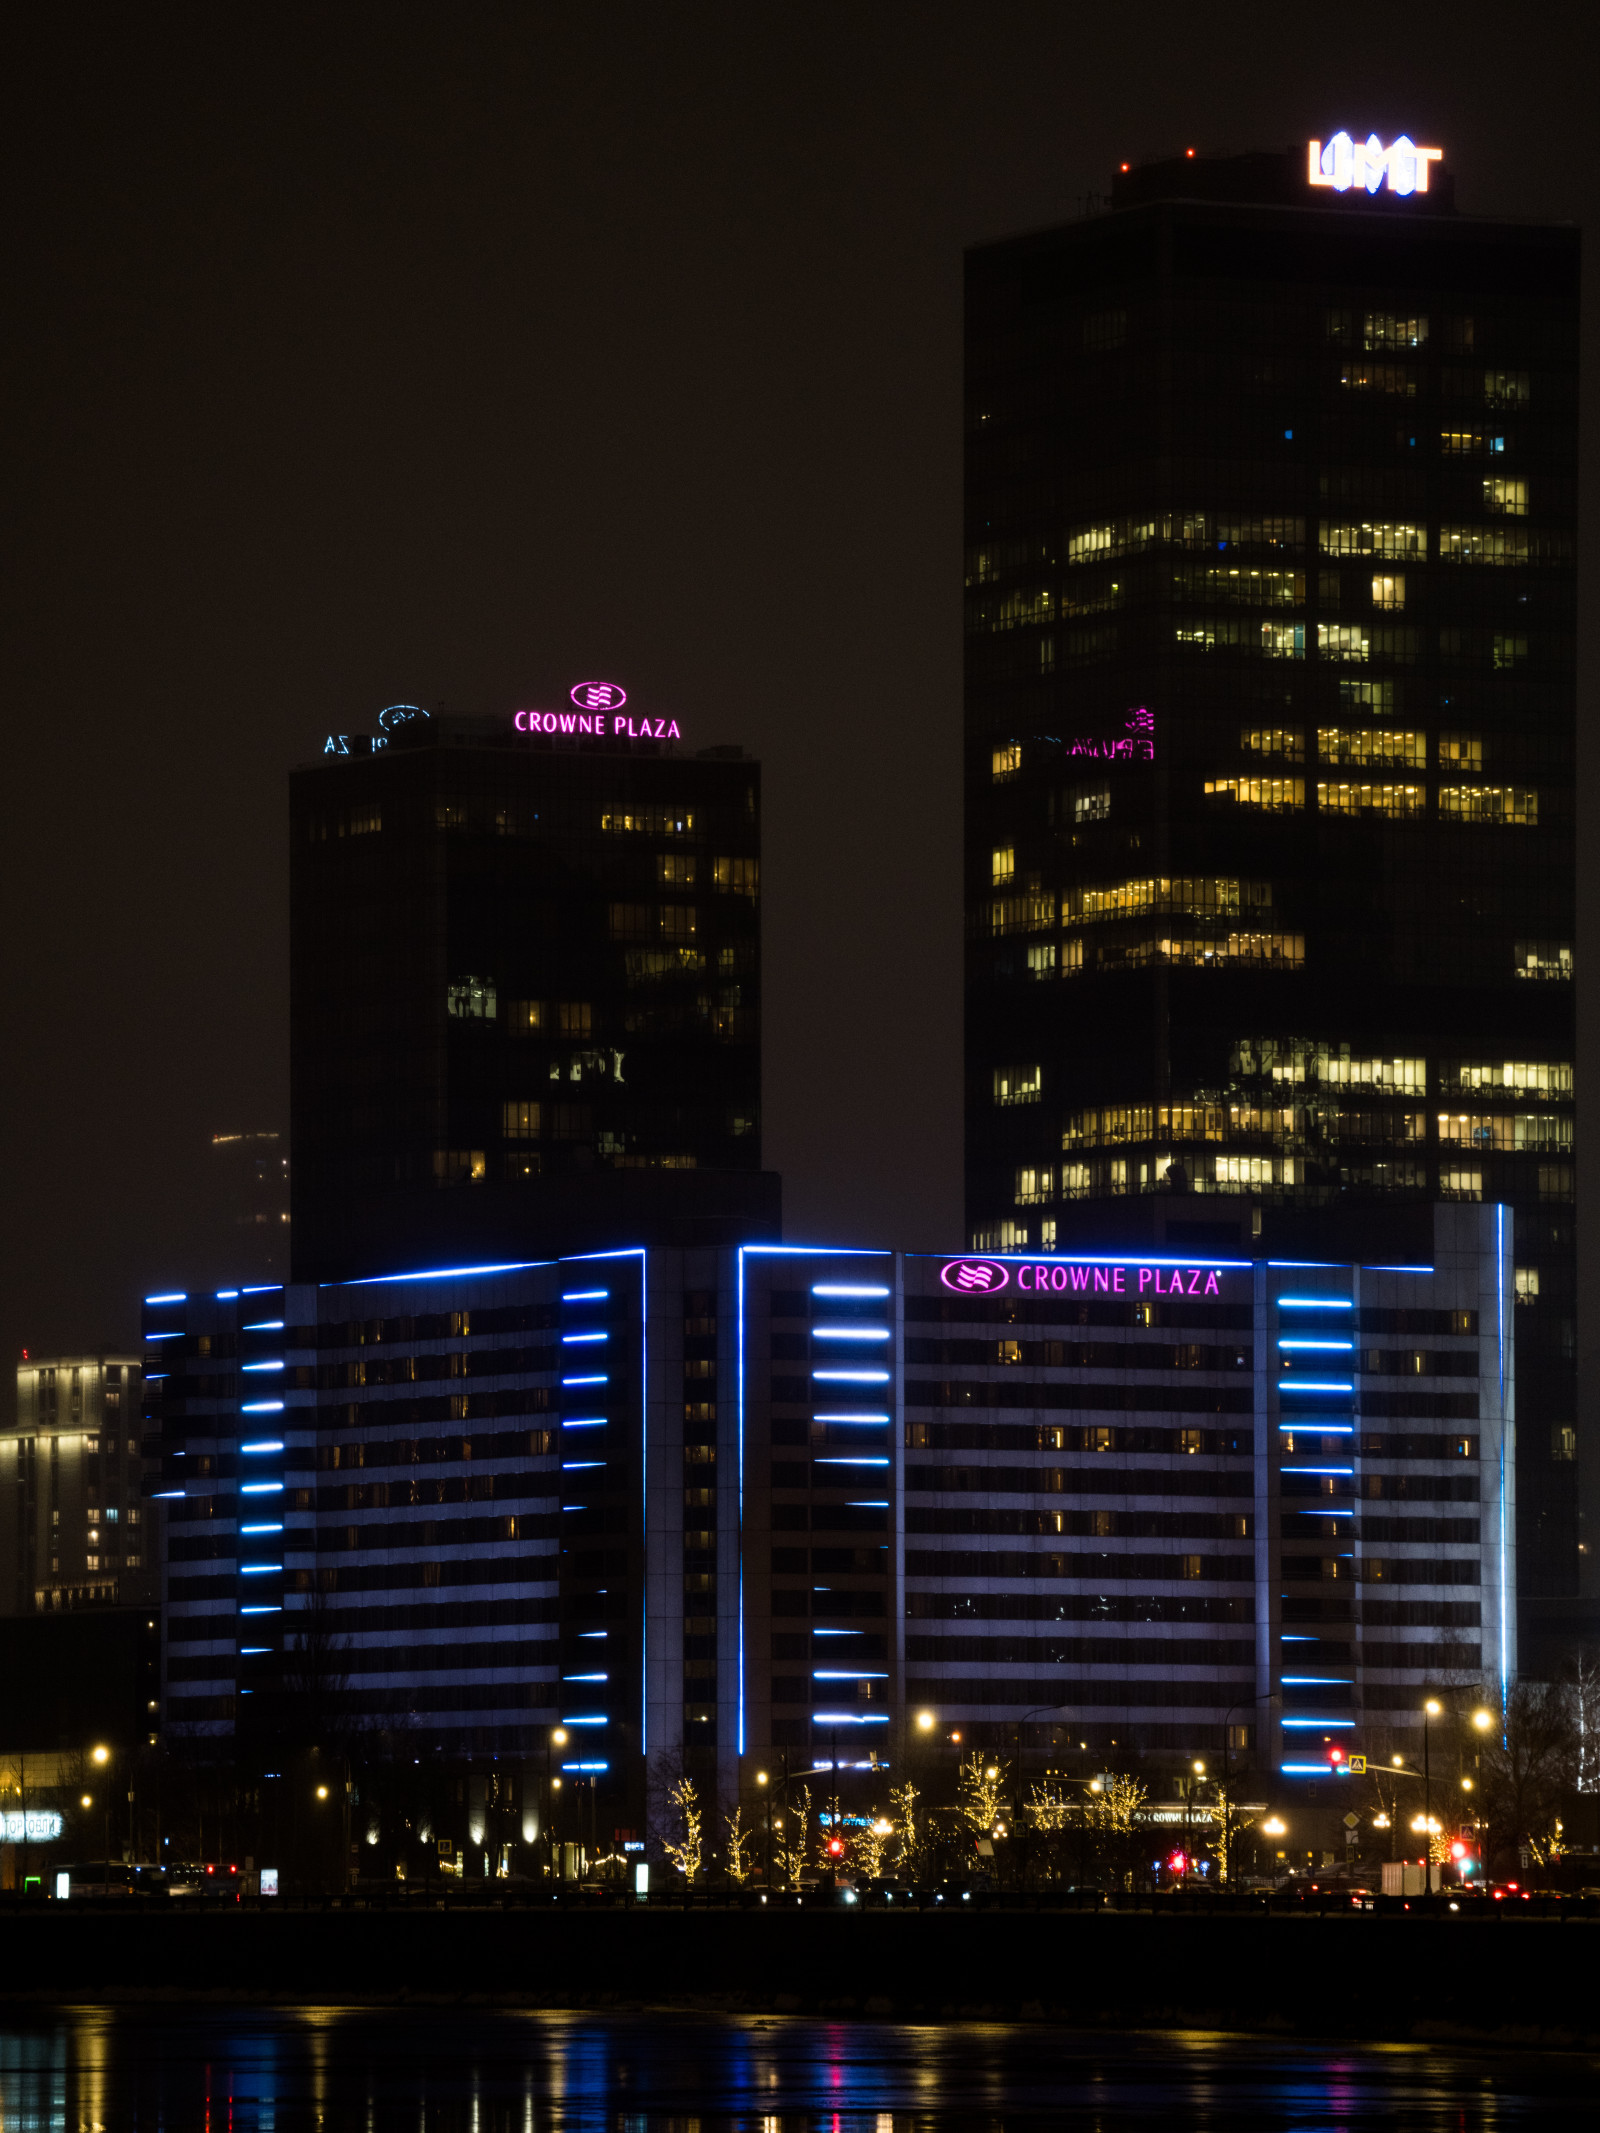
(766,1794)
(557,1738)
(1430,1710)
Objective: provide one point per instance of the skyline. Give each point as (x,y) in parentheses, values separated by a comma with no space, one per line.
(286,447)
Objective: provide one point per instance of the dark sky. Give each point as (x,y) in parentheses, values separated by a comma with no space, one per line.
(458,353)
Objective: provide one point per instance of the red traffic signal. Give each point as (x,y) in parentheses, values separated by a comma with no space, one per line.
(1177,1864)
(836,1847)
(1335,1757)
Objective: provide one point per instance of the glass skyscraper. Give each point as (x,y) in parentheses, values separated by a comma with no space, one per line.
(1269,740)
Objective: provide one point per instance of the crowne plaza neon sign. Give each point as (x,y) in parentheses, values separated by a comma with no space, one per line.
(1039,1277)
(1367,166)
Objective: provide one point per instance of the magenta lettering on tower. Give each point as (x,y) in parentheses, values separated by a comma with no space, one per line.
(600,715)
(1083,1277)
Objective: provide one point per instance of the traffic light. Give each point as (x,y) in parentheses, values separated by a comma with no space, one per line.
(1335,1759)
(1177,1863)
(836,1847)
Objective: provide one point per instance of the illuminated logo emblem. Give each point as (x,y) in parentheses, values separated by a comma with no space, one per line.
(974,1277)
(393,715)
(1364,166)
(599,696)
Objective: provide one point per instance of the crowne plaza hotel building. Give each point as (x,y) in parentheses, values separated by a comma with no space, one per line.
(699,1507)
(1270,726)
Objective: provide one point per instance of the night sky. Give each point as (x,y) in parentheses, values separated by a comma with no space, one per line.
(460,353)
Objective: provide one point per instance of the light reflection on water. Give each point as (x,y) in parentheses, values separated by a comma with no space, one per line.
(165,2070)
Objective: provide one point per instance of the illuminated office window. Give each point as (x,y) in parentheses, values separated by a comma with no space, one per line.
(1377,698)
(1006,762)
(1460,751)
(1018,1085)
(1542,959)
(1003,864)
(1502,1132)
(1506,388)
(1077,1181)
(736,877)
(1489,803)
(1368,746)
(649,822)
(524,1016)
(1042,960)
(1509,1077)
(1274,794)
(1381,539)
(1527,1284)
(678,922)
(1459,1181)
(520,1121)
(1091,804)
(1508,651)
(1289,742)
(1241,585)
(1563,1441)
(1470,444)
(1390,329)
(1389,592)
(675,870)
(1342,640)
(1372,799)
(1108,1127)
(1509,498)
(1032,1186)
(1032,911)
(471,999)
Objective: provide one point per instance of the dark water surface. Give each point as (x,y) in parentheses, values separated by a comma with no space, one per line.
(72,2070)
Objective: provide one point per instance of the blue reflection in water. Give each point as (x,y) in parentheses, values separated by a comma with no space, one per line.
(439,2070)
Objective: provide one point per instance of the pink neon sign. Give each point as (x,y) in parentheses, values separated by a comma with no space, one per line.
(1138,744)
(1039,1277)
(598,695)
(617,727)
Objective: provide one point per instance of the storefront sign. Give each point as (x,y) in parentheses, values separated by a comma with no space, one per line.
(30,1827)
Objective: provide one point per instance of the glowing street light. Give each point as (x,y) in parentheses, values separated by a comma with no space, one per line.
(102,1755)
(322,1792)
(926,1721)
(1274,1826)
(1483,1720)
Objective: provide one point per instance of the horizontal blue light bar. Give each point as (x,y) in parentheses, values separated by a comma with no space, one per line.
(585,1296)
(580,1466)
(254,1651)
(586,1677)
(1315,1303)
(156,1377)
(849,1718)
(574,1507)
(1315,1725)
(1316,1470)
(581,1767)
(260,1366)
(1315,1770)
(265,1444)
(579,1340)
(586,1719)
(261,1407)
(227,1296)
(163,1336)
(845,1288)
(1325,1511)
(1316,1681)
(1319,1428)
(872,1506)
(259,1570)
(864,1421)
(178,1296)
(601,1380)
(583,1633)
(835,1632)
(264,1325)
(1343,1347)
(843,1674)
(851,1377)
(262,1288)
(161,1495)
(272,1526)
(583,1422)
(261,1488)
(849,1333)
(261,1610)
(435,1273)
(852,1462)
(1311,1385)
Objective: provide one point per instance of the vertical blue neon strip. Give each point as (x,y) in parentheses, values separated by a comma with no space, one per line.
(740,1280)
(1500,1330)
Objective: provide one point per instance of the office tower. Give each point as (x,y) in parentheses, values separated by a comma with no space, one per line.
(247,1210)
(75,1530)
(1270,719)
(525,990)
(666,1511)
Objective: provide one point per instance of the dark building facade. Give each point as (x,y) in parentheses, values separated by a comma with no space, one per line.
(525,990)
(1270,730)
(698,1509)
